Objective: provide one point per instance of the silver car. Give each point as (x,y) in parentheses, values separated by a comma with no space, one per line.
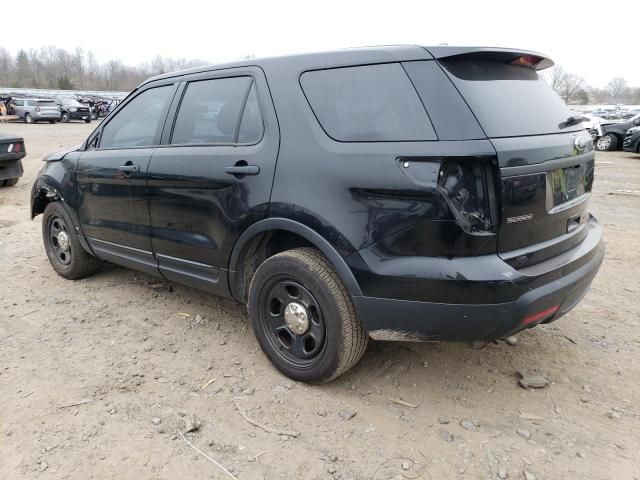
(36,109)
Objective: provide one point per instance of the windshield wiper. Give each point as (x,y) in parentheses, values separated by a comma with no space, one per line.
(572,120)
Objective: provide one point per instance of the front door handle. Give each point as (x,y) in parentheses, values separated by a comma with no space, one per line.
(129,168)
(242,170)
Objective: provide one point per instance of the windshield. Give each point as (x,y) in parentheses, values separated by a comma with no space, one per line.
(509,100)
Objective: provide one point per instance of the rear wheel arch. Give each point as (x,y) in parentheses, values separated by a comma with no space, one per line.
(271,236)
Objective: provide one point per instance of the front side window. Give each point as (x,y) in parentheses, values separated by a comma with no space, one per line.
(211,112)
(367,104)
(139,123)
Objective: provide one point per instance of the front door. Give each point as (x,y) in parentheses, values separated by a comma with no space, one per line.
(112,202)
(212,176)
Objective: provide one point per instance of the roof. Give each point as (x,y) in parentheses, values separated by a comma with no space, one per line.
(363,55)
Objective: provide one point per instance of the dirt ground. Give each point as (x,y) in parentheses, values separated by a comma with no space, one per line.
(97,375)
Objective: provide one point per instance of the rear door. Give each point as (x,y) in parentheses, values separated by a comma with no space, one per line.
(212,176)
(112,202)
(545,160)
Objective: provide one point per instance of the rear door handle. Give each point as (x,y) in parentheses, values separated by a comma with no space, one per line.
(129,168)
(242,170)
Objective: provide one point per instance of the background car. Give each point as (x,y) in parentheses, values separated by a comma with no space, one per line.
(72,109)
(11,152)
(610,136)
(33,110)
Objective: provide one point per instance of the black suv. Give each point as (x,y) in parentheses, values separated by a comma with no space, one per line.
(393,192)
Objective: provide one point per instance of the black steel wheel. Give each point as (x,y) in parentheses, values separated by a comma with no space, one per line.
(66,255)
(303,317)
(295,326)
(59,243)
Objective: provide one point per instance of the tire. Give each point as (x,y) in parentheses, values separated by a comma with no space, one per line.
(88,120)
(52,121)
(334,339)
(73,262)
(607,143)
(9,182)
(28,119)
(65,118)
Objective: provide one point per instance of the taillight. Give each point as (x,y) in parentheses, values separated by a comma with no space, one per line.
(17,147)
(469,189)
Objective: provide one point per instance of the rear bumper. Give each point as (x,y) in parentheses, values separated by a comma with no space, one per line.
(10,168)
(502,300)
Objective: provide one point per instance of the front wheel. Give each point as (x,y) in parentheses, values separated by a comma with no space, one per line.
(63,248)
(65,118)
(28,118)
(607,142)
(303,317)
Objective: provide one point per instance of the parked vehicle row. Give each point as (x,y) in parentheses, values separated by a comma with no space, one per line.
(612,136)
(61,108)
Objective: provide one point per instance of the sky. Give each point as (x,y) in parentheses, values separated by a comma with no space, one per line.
(568,31)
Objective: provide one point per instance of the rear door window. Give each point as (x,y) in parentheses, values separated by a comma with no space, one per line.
(210,113)
(509,100)
(371,103)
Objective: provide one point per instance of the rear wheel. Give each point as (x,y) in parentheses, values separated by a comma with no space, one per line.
(607,142)
(63,248)
(303,317)
(88,120)
(28,119)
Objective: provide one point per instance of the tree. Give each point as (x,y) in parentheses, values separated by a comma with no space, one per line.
(64,83)
(22,69)
(617,87)
(566,85)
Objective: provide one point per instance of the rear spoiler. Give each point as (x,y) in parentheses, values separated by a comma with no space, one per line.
(526,58)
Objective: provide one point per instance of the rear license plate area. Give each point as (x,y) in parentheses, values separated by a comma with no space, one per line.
(565,185)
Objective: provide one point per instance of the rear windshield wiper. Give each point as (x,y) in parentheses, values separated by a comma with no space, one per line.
(572,120)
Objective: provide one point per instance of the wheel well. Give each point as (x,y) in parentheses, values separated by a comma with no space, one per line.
(40,202)
(256,251)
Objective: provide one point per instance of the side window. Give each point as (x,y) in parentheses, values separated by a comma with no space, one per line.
(19,103)
(210,112)
(367,103)
(139,122)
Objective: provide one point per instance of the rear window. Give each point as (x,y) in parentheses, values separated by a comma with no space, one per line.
(367,104)
(509,100)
